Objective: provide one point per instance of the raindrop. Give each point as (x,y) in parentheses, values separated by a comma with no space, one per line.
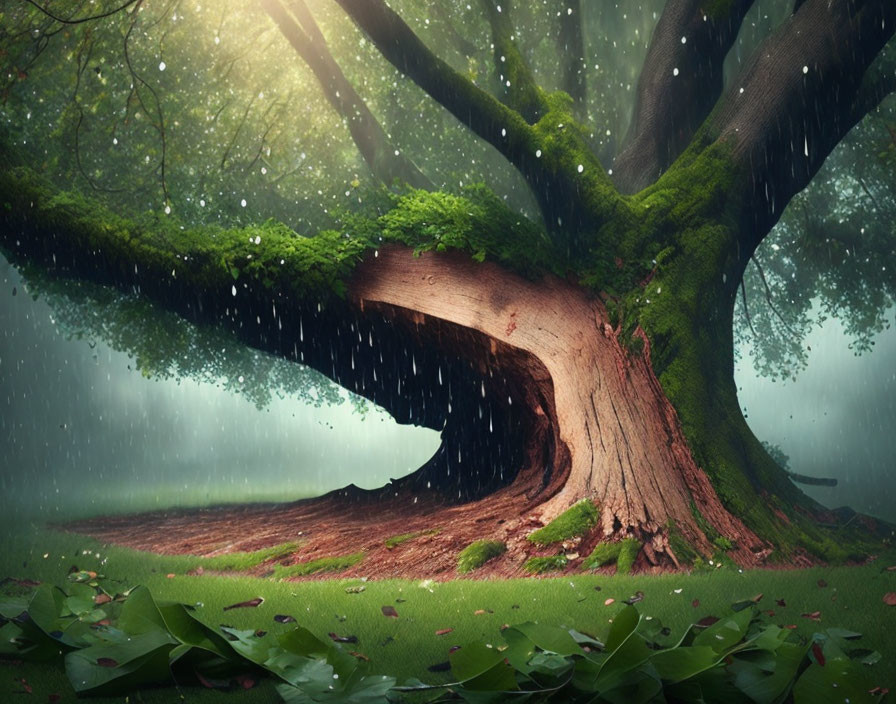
(580,168)
(243,202)
(674,71)
(233,289)
(162,66)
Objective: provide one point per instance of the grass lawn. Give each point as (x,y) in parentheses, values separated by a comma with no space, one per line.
(849,597)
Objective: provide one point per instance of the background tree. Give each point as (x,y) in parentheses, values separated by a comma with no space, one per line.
(584,351)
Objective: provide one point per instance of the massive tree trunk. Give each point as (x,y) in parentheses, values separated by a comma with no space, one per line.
(613,383)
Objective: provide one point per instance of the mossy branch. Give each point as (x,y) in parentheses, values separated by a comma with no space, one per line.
(519,90)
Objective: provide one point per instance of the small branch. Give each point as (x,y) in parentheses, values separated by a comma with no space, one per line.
(385,161)
(743,295)
(517,86)
(768,297)
(80,20)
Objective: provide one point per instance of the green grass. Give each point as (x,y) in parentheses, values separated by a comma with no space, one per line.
(541,565)
(397,540)
(407,646)
(243,561)
(337,563)
(577,520)
(476,554)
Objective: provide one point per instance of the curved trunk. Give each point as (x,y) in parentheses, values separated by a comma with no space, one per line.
(539,404)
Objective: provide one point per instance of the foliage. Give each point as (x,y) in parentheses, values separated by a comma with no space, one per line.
(113,642)
(575,521)
(477,553)
(338,563)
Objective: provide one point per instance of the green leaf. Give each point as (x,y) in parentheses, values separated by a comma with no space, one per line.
(764,684)
(472,660)
(119,667)
(550,664)
(726,632)
(139,613)
(552,639)
(838,682)
(190,631)
(677,664)
(624,624)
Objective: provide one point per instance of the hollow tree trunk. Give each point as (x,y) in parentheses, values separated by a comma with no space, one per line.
(613,436)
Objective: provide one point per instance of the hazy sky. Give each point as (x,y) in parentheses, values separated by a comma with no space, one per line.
(82,433)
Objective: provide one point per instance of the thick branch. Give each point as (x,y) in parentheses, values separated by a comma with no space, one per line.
(385,161)
(517,86)
(797,99)
(680,83)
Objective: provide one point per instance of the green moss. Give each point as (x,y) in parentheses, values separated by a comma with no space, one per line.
(684,551)
(396,540)
(323,564)
(240,561)
(575,521)
(476,554)
(540,565)
(603,554)
(623,553)
(628,552)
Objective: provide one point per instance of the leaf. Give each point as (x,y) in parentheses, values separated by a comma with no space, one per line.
(444,631)
(677,664)
(142,659)
(283,618)
(552,639)
(890,598)
(389,612)
(813,616)
(726,632)
(837,682)
(251,603)
(342,639)
(473,660)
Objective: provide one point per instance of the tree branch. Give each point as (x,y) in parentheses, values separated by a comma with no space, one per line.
(680,83)
(553,157)
(384,159)
(517,86)
(797,99)
(571,47)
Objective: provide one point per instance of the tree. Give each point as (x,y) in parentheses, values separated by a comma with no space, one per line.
(589,356)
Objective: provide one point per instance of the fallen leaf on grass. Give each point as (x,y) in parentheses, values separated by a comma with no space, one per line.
(695,603)
(879,691)
(102,599)
(781,603)
(284,618)
(479,612)
(890,598)
(814,616)
(342,639)
(54,697)
(170,575)
(355,590)
(609,601)
(444,631)
(360,656)
(389,612)
(210,683)
(257,601)
(635,598)
(822,583)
